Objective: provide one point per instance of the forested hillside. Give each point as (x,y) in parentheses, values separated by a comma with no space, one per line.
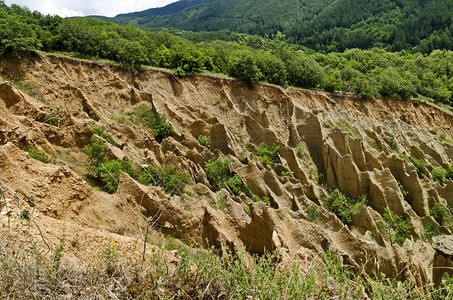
(172,8)
(328,25)
(367,73)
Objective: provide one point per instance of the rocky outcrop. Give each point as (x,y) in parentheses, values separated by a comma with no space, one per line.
(327,141)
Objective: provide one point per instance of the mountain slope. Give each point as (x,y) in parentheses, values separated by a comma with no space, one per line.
(169,9)
(325,24)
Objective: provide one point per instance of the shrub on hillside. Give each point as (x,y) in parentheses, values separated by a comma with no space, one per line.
(439,174)
(218,171)
(440,213)
(396,228)
(171,180)
(267,155)
(150,118)
(343,206)
(203,140)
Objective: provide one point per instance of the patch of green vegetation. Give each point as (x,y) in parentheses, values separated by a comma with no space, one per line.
(285,174)
(449,172)
(444,291)
(179,72)
(120,118)
(443,138)
(30,89)
(218,203)
(53,120)
(392,143)
(40,155)
(373,143)
(111,170)
(107,172)
(100,130)
(343,206)
(235,185)
(151,119)
(242,157)
(421,165)
(203,140)
(403,191)
(171,180)
(267,155)
(264,199)
(439,174)
(300,151)
(312,213)
(430,229)
(218,173)
(96,152)
(396,228)
(346,127)
(441,214)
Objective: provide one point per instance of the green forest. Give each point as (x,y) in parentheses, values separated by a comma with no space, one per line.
(326,25)
(251,58)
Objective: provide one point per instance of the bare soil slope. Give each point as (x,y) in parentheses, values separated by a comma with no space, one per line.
(327,141)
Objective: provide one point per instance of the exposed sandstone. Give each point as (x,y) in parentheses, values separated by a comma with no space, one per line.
(347,144)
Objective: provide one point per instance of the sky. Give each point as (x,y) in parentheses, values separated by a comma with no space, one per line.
(70,8)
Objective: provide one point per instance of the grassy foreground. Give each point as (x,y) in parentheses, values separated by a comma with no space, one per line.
(189,273)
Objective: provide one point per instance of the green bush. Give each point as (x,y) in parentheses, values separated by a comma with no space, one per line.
(440,213)
(430,231)
(151,119)
(285,174)
(171,180)
(421,165)
(107,171)
(343,206)
(235,185)
(312,213)
(110,172)
(256,198)
(267,155)
(439,174)
(96,154)
(203,140)
(449,172)
(100,130)
(40,155)
(243,66)
(396,228)
(180,73)
(218,171)
(161,128)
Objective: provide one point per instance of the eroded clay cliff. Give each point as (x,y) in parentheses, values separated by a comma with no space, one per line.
(348,144)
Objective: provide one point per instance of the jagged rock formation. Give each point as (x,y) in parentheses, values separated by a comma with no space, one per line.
(349,144)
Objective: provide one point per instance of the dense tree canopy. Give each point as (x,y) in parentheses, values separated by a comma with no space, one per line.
(327,25)
(367,73)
